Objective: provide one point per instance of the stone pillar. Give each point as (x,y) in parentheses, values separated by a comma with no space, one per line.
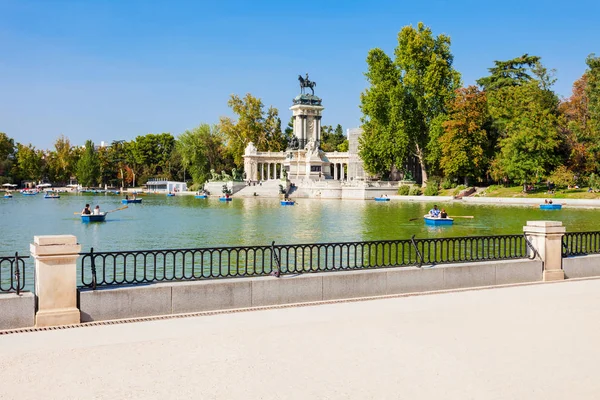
(304,128)
(335,174)
(262,171)
(342,172)
(55,279)
(546,238)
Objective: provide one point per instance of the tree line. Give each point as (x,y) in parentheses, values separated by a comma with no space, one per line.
(509,128)
(188,157)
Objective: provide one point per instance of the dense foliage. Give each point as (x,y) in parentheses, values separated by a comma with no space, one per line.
(512,129)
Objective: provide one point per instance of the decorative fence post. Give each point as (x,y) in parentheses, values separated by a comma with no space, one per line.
(56,279)
(546,238)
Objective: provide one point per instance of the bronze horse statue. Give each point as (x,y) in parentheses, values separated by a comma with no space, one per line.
(306,83)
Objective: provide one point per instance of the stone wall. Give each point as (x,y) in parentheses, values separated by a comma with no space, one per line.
(188,297)
(17,311)
(581,266)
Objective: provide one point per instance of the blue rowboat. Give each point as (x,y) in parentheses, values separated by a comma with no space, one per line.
(382,199)
(29,193)
(130,201)
(170,194)
(53,196)
(93,218)
(8,196)
(437,221)
(201,196)
(225,198)
(287,202)
(550,206)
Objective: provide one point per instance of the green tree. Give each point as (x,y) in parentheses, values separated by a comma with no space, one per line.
(201,150)
(465,137)
(88,166)
(509,73)
(62,160)
(404,98)
(29,162)
(7,157)
(332,139)
(252,125)
(592,92)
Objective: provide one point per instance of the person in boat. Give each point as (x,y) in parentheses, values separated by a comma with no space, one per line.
(434,212)
(134,196)
(443,214)
(546,201)
(86,210)
(126,197)
(549,201)
(97,210)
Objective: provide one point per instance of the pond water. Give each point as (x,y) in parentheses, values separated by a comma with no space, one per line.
(186,222)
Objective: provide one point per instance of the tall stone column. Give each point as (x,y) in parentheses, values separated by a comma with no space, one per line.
(546,238)
(56,279)
(335,173)
(342,171)
(304,129)
(262,171)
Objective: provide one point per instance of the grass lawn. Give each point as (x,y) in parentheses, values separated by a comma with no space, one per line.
(541,192)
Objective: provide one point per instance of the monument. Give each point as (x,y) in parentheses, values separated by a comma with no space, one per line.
(303,160)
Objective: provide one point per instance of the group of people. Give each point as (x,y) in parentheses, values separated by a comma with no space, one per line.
(435,212)
(548,201)
(88,211)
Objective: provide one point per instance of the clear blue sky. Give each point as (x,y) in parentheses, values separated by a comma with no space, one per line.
(108,70)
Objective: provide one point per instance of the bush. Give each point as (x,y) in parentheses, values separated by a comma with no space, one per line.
(447,184)
(431,189)
(414,191)
(562,177)
(594,181)
(403,190)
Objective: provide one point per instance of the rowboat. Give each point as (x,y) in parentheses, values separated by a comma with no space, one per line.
(8,196)
(201,196)
(129,201)
(225,198)
(93,217)
(550,206)
(52,196)
(429,220)
(287,202)
(170,194)
(382,199)
(29,193)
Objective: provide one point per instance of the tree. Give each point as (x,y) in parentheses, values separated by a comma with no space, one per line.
(201,150)
(592,92)
(249,127)
(62,160)
(465,137)
(529,134)
(509,73)
(332,139)
(88,166)
(405,98)
(7,156)
(29,162)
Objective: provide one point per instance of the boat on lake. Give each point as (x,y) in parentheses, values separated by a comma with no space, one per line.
(51,196)
(287,202)
(225,199)
(170,194)
(437,221)
(131,201)
(382,199)
(550,206)
(29,192)
(93,217)
(201,196)
(8,196)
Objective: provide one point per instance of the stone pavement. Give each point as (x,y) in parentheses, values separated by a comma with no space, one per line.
(527,342)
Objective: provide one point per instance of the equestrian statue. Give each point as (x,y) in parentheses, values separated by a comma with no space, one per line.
(306,83)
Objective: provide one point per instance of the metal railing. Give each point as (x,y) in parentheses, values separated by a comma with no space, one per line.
(580,243)
(147,266)
(12,274)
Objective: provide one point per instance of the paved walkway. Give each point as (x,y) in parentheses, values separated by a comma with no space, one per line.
(530,342)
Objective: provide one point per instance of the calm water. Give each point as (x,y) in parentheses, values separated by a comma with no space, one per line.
(184,221)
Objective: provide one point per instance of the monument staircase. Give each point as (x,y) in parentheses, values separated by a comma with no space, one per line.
(269,188)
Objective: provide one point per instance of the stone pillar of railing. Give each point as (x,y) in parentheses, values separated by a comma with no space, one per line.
(56,279)
(546,238)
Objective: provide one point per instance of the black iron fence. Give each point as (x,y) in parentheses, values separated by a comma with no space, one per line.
(12,274)
(580,243)
(147,266)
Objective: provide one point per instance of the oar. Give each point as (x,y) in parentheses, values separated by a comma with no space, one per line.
(116,209)
(414,219)
(461,216)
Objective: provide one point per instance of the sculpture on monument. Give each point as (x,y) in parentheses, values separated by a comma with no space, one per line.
(214,176)
(306,83)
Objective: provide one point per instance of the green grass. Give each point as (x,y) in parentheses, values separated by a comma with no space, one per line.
(539,192)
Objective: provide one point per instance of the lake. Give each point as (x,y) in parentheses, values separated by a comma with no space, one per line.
(186,222)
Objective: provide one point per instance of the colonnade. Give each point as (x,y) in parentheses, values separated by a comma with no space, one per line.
(339,171)
(266,171)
